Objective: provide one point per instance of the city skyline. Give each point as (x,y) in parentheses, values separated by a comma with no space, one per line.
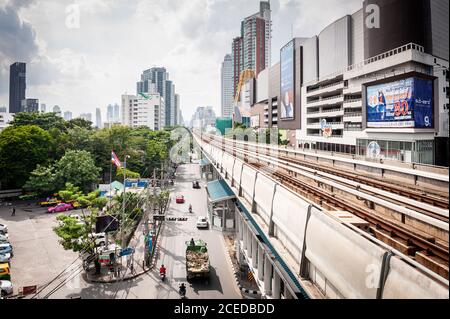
(62,70)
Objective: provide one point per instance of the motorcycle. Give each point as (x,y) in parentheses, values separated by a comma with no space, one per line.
(162,276)
(182,291)
(190,209)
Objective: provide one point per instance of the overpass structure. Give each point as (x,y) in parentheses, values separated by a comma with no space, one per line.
(298,245)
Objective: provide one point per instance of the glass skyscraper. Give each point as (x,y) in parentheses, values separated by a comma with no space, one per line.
(17,86)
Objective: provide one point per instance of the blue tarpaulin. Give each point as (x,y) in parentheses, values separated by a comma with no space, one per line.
(219,191)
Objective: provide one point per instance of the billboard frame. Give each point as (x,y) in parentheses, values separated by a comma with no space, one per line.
(291,44)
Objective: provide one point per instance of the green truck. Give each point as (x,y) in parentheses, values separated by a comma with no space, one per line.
(197,260)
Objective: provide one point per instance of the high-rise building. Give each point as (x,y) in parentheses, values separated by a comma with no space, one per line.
(227,86)
(177,109)
(29,105)
(116,112)
(143,110)
(252,49)
(67,115)
(3,109)
(156,80)
(43,108)
(98,118)
(203,117)
(86,116)
(110,113)
(57,110)
(17,86)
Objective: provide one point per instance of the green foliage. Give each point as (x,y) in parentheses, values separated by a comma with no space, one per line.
(46,121)
(129,174)
(21,149)
(70,193)
(78,168)
(79,123)
(99,202)
(43,180)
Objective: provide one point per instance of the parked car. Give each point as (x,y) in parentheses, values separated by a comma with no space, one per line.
(6,288)
(179,199)
(3,229)
(62,207)
(6,248)
(202,222)
(195,184)
(4,238)
(5,258)
(50,202)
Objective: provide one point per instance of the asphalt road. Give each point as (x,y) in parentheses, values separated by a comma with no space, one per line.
(222,284)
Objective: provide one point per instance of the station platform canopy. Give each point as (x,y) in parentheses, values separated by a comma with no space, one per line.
(204,162)
(219,191)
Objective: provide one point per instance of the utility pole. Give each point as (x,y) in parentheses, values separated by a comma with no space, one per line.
(124,200)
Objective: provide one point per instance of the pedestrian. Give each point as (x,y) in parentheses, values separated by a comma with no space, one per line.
(13,213)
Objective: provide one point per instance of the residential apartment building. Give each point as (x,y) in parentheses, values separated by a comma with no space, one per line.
(29,105)
(227,86)
(144,110)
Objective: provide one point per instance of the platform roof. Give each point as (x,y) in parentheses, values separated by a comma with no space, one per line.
(204,162)
(219,191)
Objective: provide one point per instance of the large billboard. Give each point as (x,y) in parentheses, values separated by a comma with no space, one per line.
(287,95)
(406,103)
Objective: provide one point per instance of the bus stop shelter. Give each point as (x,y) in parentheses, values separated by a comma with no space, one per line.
(221,207)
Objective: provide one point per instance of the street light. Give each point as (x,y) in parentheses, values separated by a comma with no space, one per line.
(124,192)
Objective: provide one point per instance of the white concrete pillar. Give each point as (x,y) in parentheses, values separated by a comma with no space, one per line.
(254,252)
(276,286)
(267,276)
(245,236)
(241,226)
(260,263)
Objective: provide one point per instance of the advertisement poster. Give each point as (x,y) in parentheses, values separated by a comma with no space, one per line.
(287,81)
(406,103)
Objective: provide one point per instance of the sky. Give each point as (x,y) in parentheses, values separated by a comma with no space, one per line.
(88,60)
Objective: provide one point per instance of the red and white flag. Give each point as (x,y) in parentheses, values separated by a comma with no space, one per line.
(115,160)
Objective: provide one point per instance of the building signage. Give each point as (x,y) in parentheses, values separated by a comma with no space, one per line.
(404,103)
(287,93)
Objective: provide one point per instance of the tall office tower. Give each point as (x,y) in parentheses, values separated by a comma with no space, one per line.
(143,110)
(252,49)
(29,105)
(170,103)
(227,86)
(203,117)
(98,118)
(116,112)
(57,110)
(17,86)
(43,108)
(67,115)
(177,109)
(237,52)
(3,109)
(110,114)
(86,116)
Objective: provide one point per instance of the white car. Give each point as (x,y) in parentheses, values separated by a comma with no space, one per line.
(3,228)
(6,288)
(4,238)
(5,258)
(202,222)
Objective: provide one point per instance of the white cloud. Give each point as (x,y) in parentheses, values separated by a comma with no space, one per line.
(81,69)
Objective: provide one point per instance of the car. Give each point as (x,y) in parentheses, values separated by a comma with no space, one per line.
(3,229)
(179,199)
(202,222)
(5,258)
(6,288)
(61,207)
(6,248)
(195,184)
(50,202)
(4,238)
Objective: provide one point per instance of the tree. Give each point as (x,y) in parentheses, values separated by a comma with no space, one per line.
(129,174)
(45,121)
(78,168)
(79,123)
(70,193)
(43,180)
(21,149)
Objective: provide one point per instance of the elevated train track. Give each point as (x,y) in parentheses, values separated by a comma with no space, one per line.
(429,207)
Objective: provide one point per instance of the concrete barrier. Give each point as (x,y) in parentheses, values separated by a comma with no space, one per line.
(263,196)
(406,282)
(237,170)
(248,182)
(351,263)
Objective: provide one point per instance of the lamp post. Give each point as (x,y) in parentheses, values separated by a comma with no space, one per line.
(124,200)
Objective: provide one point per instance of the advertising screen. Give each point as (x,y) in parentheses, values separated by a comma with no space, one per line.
(287,81)
(403,103)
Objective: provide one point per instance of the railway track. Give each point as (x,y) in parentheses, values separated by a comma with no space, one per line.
(418,245)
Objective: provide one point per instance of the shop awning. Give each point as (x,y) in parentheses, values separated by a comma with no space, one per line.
(219,191)
(204,162)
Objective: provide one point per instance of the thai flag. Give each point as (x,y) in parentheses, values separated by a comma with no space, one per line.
(115,160)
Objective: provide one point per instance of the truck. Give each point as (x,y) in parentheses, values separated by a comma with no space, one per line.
(197,260)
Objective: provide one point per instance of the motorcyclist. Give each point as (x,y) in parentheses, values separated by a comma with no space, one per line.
(190,208)
(182,290)
(162,270)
